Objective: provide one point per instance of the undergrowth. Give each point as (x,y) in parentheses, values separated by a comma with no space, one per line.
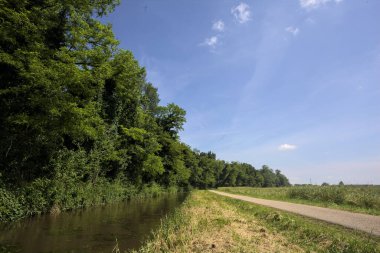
(44,195)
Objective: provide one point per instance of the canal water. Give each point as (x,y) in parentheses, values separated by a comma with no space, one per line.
(94,229)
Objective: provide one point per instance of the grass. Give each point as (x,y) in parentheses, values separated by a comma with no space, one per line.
(363,199)
(207,222)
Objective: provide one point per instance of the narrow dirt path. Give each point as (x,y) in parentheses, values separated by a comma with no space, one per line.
(363,222)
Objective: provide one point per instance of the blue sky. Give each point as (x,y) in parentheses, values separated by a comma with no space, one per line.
(294,84)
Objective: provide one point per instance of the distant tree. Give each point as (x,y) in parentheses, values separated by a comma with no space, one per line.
(191,159)
(341,183)
(324,184)
(207,162)
(259,179)
(281,180)
(173,157)
(269,176)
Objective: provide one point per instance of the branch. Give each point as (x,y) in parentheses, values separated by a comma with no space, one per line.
(10,146)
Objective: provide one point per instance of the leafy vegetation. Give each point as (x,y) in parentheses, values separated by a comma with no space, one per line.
(79,123)
(211,223)
(365,199)
(46,196)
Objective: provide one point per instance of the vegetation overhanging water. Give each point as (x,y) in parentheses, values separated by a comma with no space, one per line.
(92,229)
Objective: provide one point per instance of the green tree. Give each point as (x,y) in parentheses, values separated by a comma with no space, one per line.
(269,176)
(49,54)
(281,180)
(172,153)
(171,118)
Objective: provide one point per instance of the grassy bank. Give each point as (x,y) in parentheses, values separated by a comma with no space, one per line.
(210,223)
(364,199)
(44,196)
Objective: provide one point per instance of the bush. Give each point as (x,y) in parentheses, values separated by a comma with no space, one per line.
(152,189)
(10,206)
(36,199)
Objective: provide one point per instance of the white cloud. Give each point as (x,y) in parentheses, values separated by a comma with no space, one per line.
(211,42)
(242,13)
(292,30)
(218,26)
(314,4)
(286,147)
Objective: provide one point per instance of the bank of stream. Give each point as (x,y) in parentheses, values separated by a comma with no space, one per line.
(92,230)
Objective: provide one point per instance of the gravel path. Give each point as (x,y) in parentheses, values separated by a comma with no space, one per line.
(363,222)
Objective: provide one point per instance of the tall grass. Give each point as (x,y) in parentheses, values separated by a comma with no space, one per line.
(364,199)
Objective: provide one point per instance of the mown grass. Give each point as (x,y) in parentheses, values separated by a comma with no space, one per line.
(363,199)
(207,222)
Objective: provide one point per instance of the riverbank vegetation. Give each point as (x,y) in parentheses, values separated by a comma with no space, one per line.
(364,199)
(80,124)
(207,222)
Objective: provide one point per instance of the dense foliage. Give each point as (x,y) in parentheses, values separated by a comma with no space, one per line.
(78,118)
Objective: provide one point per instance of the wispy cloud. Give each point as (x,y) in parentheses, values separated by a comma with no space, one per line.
(314,4)
(292,30)
(211,42)
(242,13)
(286,147)
(218,26)
(310,21)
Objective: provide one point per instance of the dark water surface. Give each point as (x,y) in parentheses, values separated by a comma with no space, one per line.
(90,230)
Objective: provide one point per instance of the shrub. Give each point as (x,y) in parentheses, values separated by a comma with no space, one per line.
(36,197)
(10,206)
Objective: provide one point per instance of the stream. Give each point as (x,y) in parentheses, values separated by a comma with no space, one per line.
(94,229)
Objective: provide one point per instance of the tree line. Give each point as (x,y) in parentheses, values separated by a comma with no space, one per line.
(75,108)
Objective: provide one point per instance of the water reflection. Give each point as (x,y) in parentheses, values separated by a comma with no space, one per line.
(90,230)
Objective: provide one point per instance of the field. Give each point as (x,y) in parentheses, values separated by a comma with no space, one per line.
(207,222)
(363,199)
